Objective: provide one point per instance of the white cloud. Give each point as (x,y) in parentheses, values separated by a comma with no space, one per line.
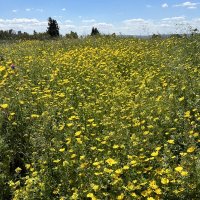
(23,24)
(63,9)
(138,26)
(176,24)
(28,9)
(192,7)
(88,21)
(14,11)
(181,18)
(188,5)
(165,5)
(133,21)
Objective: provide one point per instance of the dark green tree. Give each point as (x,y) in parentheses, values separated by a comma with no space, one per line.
(95,31)
(52,29)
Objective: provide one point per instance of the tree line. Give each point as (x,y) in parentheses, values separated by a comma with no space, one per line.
(53,31)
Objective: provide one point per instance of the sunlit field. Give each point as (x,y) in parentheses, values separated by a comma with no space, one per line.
(100,118)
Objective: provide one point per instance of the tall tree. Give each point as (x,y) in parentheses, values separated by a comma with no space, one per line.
(94,31)
(52,29)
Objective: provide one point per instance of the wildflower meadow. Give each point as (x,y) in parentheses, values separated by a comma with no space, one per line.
(100,118)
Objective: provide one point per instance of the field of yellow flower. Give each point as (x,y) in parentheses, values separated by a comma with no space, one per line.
(100,118)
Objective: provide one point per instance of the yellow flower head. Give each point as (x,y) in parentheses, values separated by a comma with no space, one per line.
(91,195)
(178,169)
(191,149)
(170,141)
(111,161)
(4,106)
(164,181)
(154,154)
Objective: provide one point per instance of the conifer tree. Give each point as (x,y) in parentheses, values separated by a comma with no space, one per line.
(94,31)
(52,29)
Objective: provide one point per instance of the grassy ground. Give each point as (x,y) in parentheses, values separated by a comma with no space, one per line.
(105,118)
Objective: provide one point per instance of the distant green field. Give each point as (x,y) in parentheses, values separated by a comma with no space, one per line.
(100,118)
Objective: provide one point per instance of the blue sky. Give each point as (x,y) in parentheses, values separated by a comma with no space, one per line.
(137,17)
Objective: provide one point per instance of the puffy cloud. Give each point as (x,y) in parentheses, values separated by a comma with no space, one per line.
(24,24)
(63,9)
(165,5)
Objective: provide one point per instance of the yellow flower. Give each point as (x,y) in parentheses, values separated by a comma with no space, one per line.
(73,155)
(74,196)
(91,195)
(82,157)
(108,170)
(126,167)
(119,171)
(90,120)
(120,197)
(179,169)
(2,68)
(94,187)
(150,198)
(96,163)
(70,124)
(158,191)
(133,162)
(115,146)
(79,141)
(191,149)
(187,114)
(170,141)
(77,133)
(21,102)
(181,99)
(56,161)
(184,173)
(61,127)
(34,116)
(18,170)
(4,106)
(158,148)
(65,163)
(27,166)
(111,161)
(164,181)
(62,150)
(154,154)
(153,185)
